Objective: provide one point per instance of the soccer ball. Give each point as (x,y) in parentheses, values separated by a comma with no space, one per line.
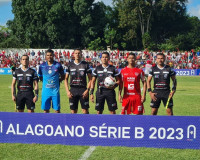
(109,81)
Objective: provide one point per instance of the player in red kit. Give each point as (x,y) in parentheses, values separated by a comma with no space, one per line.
(131,76)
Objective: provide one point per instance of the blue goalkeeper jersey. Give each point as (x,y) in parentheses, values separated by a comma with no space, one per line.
(50,74)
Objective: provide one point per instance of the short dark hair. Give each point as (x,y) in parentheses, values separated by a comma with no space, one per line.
(24,55)
(78,49)
(160,54)
(49,51)
(106,53)
(132,54)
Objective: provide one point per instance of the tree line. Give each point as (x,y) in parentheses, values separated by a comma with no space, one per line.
(127,25)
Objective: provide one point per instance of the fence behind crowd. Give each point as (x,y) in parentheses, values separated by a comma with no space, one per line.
(179,72)
(101,130)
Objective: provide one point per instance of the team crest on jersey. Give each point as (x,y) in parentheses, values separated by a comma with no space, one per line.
(100,75)
(165,76)
(50,71)
(81,73)
(28,78)
(136,73)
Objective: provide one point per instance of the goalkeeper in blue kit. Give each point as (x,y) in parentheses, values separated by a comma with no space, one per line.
(51,73)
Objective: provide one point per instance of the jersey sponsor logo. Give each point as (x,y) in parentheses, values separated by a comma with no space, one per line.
(130,93)
(100,72)
(157,76)
(73,73)
(20,78)
(28,78)
(131,79)
(110,72)
(130,86)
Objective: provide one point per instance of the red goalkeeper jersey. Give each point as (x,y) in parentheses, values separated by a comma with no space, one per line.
(131,78)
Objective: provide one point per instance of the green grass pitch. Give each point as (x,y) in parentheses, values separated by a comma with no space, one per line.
(186,103)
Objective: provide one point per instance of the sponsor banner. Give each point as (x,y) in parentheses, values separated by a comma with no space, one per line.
(186,72)
(101,130)
(5,71)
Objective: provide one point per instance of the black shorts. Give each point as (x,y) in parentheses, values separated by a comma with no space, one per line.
(161,96)
(25,98)
(77,95)
(108,95)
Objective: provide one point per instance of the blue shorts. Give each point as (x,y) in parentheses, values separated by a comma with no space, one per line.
(46,102)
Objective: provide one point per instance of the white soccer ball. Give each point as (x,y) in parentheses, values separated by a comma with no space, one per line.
(109,81)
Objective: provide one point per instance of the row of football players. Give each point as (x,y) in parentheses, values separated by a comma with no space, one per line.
(79,89)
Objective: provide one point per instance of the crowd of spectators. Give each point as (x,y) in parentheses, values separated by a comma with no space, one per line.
(175,59)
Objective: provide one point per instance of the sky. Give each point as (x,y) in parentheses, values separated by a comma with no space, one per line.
(193,8)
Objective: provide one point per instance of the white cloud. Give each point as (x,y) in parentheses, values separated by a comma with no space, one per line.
(194,11)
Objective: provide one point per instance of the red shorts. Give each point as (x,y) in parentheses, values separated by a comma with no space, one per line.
(132,104)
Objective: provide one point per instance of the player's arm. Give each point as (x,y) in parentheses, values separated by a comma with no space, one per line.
(40,73)
(92,88)
(174,81)
(36,89)
(144,82)
(121,85)
(62,77)
(13,90)
(86,93)
(69,94)
(152,95)
(62,74)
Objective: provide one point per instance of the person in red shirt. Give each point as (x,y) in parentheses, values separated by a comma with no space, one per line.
(131,76)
